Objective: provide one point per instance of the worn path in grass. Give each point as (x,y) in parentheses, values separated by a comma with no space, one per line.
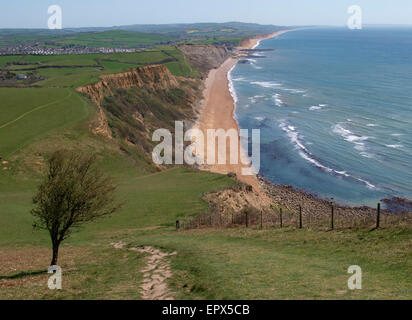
(155,274)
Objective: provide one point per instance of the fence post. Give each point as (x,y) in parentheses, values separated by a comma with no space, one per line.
(300,217)
(247,220)
(378,216)
(332,217)
(280,214)
(177,225)
(210,220)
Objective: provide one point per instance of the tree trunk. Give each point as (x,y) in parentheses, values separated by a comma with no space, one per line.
(55,254)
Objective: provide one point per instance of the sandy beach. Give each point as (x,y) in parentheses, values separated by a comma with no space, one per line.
(218,107)
(217,112)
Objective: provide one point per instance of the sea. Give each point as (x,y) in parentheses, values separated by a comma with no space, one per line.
(334,107)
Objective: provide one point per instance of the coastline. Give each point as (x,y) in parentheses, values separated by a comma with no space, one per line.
(218,109)
(252,43)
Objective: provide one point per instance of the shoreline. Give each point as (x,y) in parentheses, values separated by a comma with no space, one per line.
(218,111)
(253,43)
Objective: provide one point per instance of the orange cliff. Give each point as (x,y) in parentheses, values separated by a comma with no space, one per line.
(152,77)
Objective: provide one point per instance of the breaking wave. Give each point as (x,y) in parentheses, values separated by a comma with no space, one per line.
(231,86)
(278,100)
(266,84)
(357,140)
(294,137)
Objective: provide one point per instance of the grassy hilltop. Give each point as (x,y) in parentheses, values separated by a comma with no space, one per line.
(37,118)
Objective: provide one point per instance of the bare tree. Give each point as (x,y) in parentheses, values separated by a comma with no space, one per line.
(73,192)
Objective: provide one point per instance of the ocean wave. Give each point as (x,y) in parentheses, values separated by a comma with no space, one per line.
(394,146)
(318,107)
(253,63)
(266,84)
(278,100)
(366,155)
(277,85)
(256,45)
(231,86)
(294,90)
(260,119)
(240,79)
(254,99)
(351,137)
(313,108)
(293,135)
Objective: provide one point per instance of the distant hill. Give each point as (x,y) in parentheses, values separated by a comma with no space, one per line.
(197,29)
(136,35)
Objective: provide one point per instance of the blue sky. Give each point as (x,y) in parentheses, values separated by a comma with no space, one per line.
(94,13)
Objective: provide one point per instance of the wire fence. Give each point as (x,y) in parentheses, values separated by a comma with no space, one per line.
(278,217)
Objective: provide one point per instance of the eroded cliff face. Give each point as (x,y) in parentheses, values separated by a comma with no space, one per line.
(152,77)
(132,105)
(205,57)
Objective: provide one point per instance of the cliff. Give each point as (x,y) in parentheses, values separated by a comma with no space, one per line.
(132,105)
(152,77)
(205,57)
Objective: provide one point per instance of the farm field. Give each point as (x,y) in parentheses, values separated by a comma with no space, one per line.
(148,36)
(107,38)
(78,70)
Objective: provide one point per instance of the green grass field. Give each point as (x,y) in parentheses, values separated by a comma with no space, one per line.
(108,39)
(27,114)
(113,39)
(234,263)
(286,264)
(78,70)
